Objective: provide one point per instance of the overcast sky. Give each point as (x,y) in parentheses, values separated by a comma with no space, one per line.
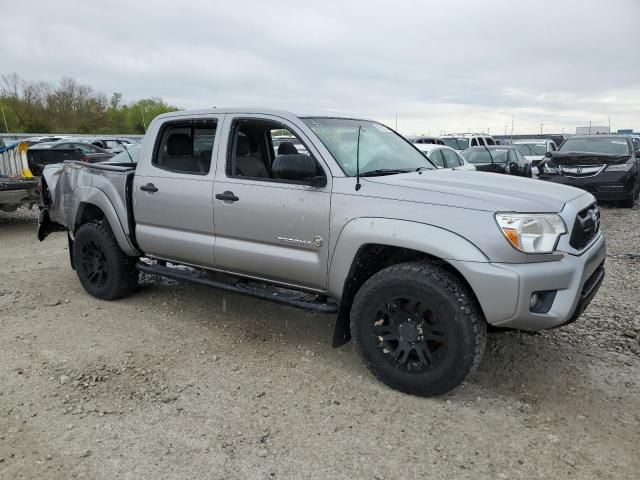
(446,64)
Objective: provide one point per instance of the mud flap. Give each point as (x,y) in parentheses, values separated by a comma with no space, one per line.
(70,243)
(46,226)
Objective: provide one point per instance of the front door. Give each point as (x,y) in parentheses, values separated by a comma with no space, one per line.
(173,193)
(268,226)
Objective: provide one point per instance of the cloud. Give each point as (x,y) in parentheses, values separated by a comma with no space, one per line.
(451,65)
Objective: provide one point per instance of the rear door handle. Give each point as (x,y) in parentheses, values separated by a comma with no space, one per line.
(149,187)
(227,197)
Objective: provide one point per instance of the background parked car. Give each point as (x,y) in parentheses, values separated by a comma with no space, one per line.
(607,166)
(498,159)
(41,154)
(444,157)
(128,155)
(424,139)
(463,141)
(110,144)
(535,149)
(45,139)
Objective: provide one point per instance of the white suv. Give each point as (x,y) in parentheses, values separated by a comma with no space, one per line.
(463,141)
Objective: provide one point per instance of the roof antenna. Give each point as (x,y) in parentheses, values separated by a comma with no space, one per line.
(358,186)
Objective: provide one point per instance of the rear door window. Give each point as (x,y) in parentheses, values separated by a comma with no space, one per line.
(451,159)
(436,157)
(186,147)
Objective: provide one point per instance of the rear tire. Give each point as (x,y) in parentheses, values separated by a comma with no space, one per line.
(418,328)
(102,267)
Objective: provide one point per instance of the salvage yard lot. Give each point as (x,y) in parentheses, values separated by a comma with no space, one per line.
(184,381)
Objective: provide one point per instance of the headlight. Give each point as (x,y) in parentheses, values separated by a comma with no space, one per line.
(532,232)
(620,167)
(547,169)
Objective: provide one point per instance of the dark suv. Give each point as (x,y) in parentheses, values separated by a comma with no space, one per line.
(42,154)
(605,165)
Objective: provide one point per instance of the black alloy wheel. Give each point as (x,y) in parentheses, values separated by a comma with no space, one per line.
(94,264)
(418,328)
(409,334)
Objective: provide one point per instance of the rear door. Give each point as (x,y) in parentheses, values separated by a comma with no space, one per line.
(451,159)
(436,158)
(268,227)
(173,191)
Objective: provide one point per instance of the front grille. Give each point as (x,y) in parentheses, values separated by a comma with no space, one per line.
(581,171)
(585,227)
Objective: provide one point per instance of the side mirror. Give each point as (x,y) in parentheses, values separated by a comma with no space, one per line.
(298,168)
(548,154)
(318,181)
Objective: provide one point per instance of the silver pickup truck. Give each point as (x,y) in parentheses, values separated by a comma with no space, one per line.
(347,218)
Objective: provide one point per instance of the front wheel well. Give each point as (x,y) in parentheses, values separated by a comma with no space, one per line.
(369,260)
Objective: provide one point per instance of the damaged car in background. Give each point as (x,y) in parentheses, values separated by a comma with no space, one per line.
(498,159)
(607,166)
(415,262)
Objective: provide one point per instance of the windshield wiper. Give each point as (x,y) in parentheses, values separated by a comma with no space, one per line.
(386,171)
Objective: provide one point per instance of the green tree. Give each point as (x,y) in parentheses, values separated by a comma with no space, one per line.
(69,107)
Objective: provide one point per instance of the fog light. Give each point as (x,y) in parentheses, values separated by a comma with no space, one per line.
(534,301)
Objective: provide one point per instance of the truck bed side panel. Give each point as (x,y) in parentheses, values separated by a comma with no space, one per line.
(73,185)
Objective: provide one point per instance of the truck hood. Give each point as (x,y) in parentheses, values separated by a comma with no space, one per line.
(476,190)
(579,158)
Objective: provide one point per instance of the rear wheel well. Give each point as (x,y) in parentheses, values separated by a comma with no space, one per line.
(369,260)
(88,213)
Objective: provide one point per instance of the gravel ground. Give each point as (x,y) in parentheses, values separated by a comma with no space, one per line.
(181,381)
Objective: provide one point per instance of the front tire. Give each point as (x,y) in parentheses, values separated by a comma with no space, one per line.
(103,269)
(418,328)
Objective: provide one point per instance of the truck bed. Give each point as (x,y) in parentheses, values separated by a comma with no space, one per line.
(61,182)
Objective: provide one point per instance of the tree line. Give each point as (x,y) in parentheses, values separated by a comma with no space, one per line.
(69,107)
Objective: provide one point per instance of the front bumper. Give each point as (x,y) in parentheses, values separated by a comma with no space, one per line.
(504,290)
(605,186)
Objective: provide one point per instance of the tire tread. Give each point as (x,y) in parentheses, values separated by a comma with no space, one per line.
(125,280)
(468,306)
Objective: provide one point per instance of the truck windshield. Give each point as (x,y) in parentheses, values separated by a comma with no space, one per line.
(456,143)
(610,146)
(381,149)
(532,148)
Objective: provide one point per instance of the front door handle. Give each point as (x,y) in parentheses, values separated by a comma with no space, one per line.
(227,197)
(149,187)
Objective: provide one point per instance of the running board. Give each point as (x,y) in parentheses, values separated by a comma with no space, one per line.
(288,297)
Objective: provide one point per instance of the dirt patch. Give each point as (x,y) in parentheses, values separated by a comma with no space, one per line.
(181,381)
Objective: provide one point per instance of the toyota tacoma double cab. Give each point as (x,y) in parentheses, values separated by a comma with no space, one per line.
(416,262)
